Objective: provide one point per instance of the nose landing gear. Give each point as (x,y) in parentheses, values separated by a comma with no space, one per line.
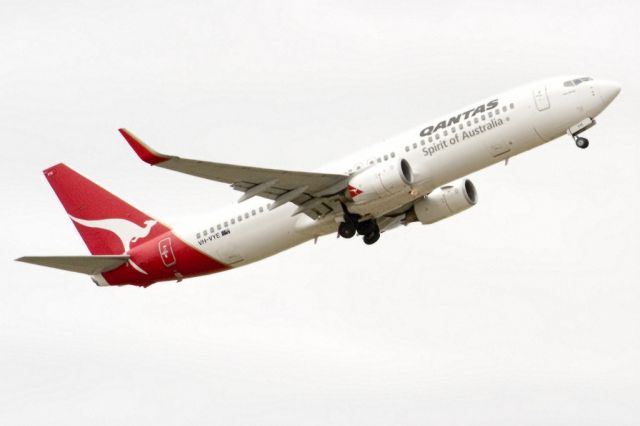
(577,129)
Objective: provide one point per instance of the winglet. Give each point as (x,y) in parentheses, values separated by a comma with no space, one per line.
(145,153)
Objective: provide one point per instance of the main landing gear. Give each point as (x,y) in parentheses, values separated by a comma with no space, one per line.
(352,224)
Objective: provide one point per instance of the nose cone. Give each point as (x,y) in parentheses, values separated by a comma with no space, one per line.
(608,91)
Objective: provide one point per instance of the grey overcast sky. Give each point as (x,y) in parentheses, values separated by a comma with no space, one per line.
(523,310)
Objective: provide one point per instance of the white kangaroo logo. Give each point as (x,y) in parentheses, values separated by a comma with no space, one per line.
(127,231)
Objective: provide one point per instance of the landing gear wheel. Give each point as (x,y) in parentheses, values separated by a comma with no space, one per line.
(366,227)
(346,230)
(582,143)
(371,237)
(373,233)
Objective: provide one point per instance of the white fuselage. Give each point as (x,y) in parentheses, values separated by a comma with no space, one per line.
(470,139)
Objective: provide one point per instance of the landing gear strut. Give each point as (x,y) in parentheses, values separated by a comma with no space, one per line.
(347,229)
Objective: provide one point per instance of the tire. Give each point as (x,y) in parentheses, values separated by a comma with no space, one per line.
(366,227)
(346,230)
(582,143)
(371,238)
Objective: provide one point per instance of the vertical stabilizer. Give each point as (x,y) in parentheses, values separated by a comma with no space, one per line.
(107,224)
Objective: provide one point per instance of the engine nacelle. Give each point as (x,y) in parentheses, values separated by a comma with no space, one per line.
(380,181)
(446,201)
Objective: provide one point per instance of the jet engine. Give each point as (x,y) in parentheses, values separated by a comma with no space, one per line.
(380,181)
(445,201)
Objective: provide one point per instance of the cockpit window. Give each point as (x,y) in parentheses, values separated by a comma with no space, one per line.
(577,81)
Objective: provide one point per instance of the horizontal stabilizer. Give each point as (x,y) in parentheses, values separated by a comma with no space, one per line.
(90,265)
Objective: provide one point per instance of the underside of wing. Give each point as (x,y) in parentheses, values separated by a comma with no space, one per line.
(314,193)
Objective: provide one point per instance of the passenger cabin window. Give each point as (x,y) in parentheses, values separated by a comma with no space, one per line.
(218,227)
(393,155)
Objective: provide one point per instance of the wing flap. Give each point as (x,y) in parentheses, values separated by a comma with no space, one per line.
(89,265)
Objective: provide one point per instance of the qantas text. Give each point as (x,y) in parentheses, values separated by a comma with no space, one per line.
(462,116)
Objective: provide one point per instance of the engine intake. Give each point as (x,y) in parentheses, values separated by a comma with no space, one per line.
(379,181)
(445,202)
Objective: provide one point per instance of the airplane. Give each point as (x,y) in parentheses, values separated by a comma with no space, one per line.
(418,176)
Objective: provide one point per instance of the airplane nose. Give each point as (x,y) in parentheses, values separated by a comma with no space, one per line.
(608,91)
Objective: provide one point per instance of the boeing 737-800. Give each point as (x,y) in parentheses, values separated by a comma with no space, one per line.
(417,176)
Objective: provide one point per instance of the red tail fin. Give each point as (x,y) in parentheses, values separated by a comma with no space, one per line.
(107,224)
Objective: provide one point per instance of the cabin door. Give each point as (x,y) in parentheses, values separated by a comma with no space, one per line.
(541,98)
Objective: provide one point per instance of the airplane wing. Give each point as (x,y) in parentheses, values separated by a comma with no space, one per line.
(90,265)
(312,192)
